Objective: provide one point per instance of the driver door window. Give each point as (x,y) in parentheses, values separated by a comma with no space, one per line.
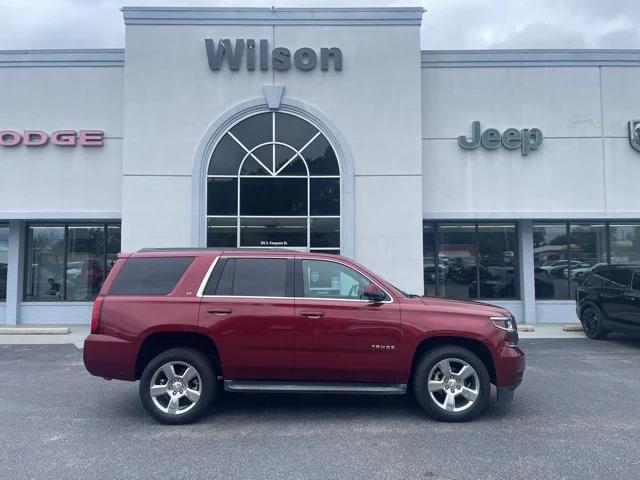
(326,279)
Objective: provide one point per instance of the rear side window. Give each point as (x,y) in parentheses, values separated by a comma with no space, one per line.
(254,277)
(149,275)
(620,278)
(599,277)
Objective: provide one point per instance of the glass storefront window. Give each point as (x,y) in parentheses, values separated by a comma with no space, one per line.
(480,260)
(222,232)
(45,263)
(113,246)
(325,232)
(85,261)
(4,261)
(69,261)
(550,259)
(588,245)
(457,245)
(625,242)
(564,253)
(274,181)
(498,261)
(471,260)
(273,232)
(429,270)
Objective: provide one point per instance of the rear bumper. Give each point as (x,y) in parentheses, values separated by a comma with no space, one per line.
(109,357)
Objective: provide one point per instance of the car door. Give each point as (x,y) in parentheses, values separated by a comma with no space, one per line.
(630,308)
(339,336)
(612,298)
(247,309)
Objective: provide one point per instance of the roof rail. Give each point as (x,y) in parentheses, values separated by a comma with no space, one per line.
(216,249)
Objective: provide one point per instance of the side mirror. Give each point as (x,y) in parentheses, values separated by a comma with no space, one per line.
(373,293)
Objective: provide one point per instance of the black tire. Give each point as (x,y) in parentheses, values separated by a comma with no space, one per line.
(425,366)
(592,324)
(206,382)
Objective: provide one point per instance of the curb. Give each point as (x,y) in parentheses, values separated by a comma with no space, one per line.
(34,331)
(572,327)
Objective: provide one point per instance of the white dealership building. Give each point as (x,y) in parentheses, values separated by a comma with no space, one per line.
(496,175)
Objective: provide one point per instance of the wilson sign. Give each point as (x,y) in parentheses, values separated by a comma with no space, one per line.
(256,54)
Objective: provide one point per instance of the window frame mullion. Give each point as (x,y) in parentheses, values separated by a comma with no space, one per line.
(65,262)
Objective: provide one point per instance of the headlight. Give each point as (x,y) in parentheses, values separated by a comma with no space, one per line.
(509,325)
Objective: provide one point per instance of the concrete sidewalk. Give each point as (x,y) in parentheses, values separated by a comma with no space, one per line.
(551,330)
(77,334)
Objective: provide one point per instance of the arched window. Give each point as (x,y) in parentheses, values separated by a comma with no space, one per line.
(274,181)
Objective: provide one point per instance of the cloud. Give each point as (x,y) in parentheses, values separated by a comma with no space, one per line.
(541,35)
(448,24)
(614,39)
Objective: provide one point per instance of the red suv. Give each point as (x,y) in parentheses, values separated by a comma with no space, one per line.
(187,323)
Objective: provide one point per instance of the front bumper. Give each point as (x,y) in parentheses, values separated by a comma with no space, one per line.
(510,366)
(109,357)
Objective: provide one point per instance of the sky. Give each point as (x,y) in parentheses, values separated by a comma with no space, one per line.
(447,24)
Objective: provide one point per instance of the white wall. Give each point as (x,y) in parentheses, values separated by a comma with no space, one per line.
(373,103)
(165,121)
(53,178)
(64,313)
(556,311)
(620,94)
(584,169)
(564,175)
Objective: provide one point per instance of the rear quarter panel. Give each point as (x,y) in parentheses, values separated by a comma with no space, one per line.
(132,318)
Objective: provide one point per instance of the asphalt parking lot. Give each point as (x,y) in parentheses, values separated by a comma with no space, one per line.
(576,416)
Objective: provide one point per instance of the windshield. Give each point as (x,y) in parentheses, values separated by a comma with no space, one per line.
(404,294)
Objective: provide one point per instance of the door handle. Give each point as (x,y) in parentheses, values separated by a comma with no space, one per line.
(313,315)
(220,311)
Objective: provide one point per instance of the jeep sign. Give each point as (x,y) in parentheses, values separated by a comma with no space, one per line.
(279,58)
(512,138)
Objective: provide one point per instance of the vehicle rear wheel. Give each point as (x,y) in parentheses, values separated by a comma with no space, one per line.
(177,386)
(452,384)
(592,324)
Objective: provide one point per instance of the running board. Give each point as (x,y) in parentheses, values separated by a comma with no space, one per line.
(253,386)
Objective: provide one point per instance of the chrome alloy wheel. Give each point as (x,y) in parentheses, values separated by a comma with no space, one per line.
(453,385)
(175,388)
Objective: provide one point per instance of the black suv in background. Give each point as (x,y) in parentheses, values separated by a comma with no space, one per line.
(609,300)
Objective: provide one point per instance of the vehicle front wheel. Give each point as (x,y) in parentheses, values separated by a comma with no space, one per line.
(452,384)
(592,324)
(177,386)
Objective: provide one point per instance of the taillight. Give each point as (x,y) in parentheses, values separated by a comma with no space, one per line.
(95,314)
